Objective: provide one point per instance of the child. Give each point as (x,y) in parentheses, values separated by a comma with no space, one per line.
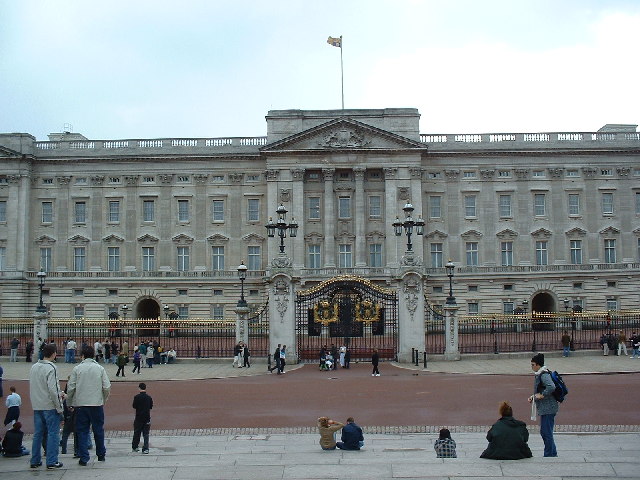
(445,446)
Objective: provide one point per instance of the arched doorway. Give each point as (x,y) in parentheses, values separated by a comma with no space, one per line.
(541,304)
(148,309)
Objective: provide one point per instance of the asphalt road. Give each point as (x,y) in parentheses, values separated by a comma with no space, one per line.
(398,397)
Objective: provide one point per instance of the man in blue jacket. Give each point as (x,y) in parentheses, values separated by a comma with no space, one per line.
(352,438)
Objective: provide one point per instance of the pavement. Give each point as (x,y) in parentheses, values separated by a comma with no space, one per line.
(388,454)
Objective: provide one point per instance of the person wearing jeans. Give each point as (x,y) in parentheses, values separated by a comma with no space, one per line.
(544,403)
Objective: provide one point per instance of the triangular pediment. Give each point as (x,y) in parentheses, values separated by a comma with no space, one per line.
(182,239)
(471,235)
(78,239)
(253,237)
(541,233)
(147,238)
(45,240)
(112,238)
(8,153)
(610,231)
(507,233)
(576,232)
(343,134)
(436,235)
(217,238)
(637,231)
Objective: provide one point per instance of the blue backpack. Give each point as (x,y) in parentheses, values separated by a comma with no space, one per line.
(561,390)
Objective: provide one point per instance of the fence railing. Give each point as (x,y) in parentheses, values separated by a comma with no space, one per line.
(200,338)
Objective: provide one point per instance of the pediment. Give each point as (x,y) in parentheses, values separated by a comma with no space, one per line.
(541,233)
(78,239)
(436,235)
(637,231)
(45,240)
(147,238)
(507,233)
(576,232)
(112,238)
(471,235)
(182,239)
(343,134)
(8,153)
(217,238)
(375,236)
(610,231)
(253,237)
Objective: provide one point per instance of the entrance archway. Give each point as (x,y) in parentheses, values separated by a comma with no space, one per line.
(148,309)
(541,304)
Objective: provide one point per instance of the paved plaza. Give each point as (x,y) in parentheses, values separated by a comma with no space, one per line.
(390,452)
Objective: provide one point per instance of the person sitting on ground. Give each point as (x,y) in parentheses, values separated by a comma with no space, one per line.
(352,438)
(445,446)
(172,355)
(327,429)
(12,442)
(507,437)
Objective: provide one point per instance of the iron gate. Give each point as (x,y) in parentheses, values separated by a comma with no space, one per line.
(349,311)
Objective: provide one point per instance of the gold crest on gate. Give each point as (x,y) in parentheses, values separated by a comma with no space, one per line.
(325,313)
(367,311)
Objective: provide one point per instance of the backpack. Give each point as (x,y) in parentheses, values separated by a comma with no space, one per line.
(561,390)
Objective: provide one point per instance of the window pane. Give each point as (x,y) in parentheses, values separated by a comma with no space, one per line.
(218,210)
(78,312)
(183,259)
(148,211)
(148,259)
(114,211)
(344,256)
(3,258)
(344,207)
(505,206)
(506,253)
(607,203)
(469,205)
(314,256)
(576,252)
(80,212)
(254,258)
(539,207)
(3,211)
(610,251)
(47,212)
(541,253)
(113,259)
(375,255)
(45,259)
(217,256)
(314,208)
(183,210)
(183,313)
(218,312)
(79,259)
(436,255)
(435,209)
(253,210)
(574,204)
(375,209)
(472,254)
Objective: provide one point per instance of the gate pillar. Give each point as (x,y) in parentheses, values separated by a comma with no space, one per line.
(410,316)
(282,316)
(40,332)
(451,350)
(242,324)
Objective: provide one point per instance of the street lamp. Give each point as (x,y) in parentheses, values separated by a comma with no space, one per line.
(408,225)
(525,304)
(566,305)
(242,274)
(41,276)
(450,266)
(281,226)
(166,311)
(125,310)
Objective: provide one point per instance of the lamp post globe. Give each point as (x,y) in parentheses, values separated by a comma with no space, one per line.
(41,277)
(242,275)
(166,311)
(450,268)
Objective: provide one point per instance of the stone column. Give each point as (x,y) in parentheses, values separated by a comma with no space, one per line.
(242,324)
(329,219)
(451,351)
(410,315)
(297,206)
(360,216)
(271,205)
(40,332)
(282,315)
(390,213)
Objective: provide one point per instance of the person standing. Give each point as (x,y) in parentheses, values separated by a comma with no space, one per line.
(46,401)
(143,404)
(15,343)
(142,348)
(125,348)
(98,349)
(283,362)
(150,354)
(88,390)
(343,351)
(107,350)
(622,343)
(28,351)
(375,359)
(347,358)
(246,354)
(136,361)
(13,403)
(276,360)
(543,403)
(566,343)
(236,355)
(635,345)
(1,390)
(71,351)
(334,354)
(121,362)
(352,438)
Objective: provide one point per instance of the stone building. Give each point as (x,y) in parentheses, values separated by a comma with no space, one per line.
(539,221)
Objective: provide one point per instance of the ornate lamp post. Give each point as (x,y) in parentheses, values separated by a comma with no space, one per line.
(450,267)
(166,311)
(125,310)
(408,224)
(282,226)
(41,276)
(525,304)
(242,274)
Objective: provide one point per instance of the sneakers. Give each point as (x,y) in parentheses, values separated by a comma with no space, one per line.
(36,465)
(135,450)
(377,374)
(54,466)
(146,452)
(82,463)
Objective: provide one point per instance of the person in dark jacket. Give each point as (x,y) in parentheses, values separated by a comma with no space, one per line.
(375,359)
(12,442)
(352,438)
(276,360)
(507,437)
(143,404)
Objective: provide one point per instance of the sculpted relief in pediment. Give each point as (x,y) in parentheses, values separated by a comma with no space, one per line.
(343,137)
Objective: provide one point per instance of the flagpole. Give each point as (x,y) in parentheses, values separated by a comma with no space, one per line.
(341,73)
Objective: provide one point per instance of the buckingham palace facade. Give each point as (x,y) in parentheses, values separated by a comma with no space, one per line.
(540,221)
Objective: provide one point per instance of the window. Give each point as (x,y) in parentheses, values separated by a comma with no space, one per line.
(437,289)
(47,212)
(578,305)
(148,259)
(504,173)
(575,249)
(79,258)
(541,252)
(78,311)
(183,292)
(434,175)
(507,308)
(435,206)
(637,203)
(113,293)
(505,206)
(577,285)
(78,292)
(3,258)
(183,210)
(612,304)
(539,205)
(506,253)
(3,211)
(611,284)
(344,255)
(468,174)
(183,179)
(80,210)
(217,258)
(183,259)
(572,173)
(254,258)
(436,255)
(253,210)
(113,259)
(574,204)
(472,254)
(344,207)
(218,211)
(606,172)
(148,211)
(217,178)
(218,312)
(607,203)
(313,256)
(469,205)
(314,208)
(114,179)
(609,251)
(148,179)
(183,312)
(45,259)
(508,287)
(375,206)
(375,255)
(114,211)
(47,181)
(253,178)
(473,308)
(218,292)
(538,173)
(473,288)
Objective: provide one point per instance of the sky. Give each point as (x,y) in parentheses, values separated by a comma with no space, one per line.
(123,69)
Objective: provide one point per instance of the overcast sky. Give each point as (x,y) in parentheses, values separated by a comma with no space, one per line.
(123,69)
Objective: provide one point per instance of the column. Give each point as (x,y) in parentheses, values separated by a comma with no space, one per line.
(297,211)
(360,216)
(391,211)
(410,315)
(451,351)
(242,324)
(329,218)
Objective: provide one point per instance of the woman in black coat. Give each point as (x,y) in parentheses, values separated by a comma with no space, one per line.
(507,437)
